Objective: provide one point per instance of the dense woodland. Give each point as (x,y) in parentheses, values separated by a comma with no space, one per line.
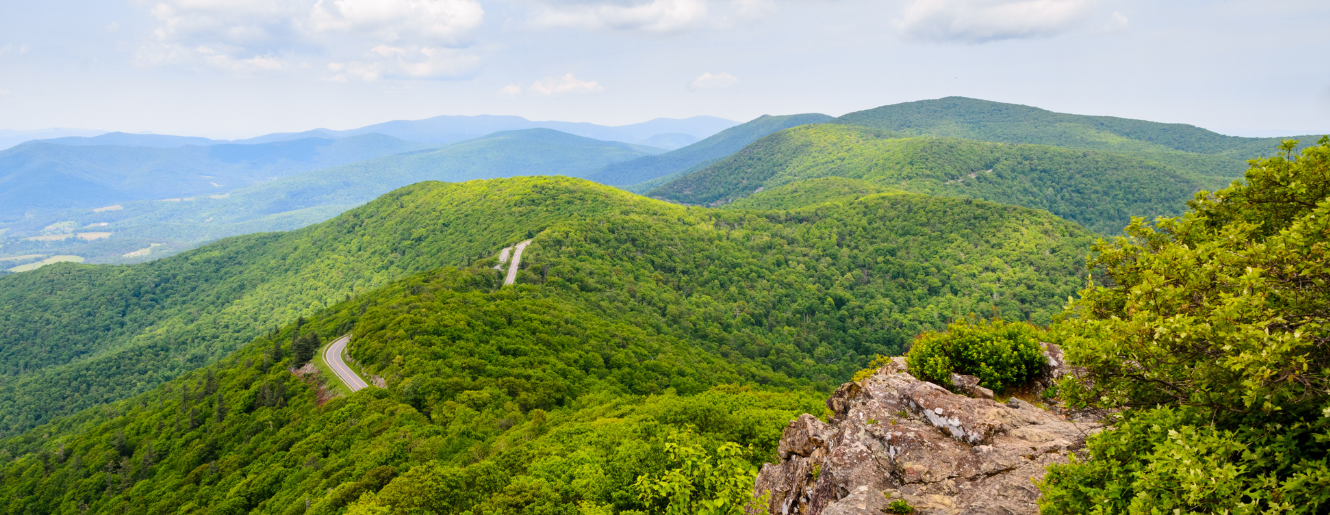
(1182,146)
(832,285)
(1101,191)
(642,311)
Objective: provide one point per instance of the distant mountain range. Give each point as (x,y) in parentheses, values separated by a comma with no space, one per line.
(704,152)
(44,175)
(666,133)
(9,138)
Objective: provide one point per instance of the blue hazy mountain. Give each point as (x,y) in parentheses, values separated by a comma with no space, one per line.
(702,153)
(667,133)
(43,175)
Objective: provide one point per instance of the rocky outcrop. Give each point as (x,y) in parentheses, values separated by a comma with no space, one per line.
(893,436)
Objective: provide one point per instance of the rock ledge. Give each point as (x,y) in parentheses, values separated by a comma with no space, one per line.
(895,436)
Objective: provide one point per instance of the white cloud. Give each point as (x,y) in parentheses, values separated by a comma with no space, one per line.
(658,16)
(979,21)
(11,48)
(712,81)
(377,38)
(563,85)
(511,90)
(644,16)
(4,92)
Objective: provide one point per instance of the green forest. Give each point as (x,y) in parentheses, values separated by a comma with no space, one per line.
(1182,146)
(689,327)
(886,267)
(1099,190)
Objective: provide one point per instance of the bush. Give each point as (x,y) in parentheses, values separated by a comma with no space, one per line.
(1174,460)
(1001,354)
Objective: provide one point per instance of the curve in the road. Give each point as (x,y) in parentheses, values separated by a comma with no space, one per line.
(332,355)
(517,259)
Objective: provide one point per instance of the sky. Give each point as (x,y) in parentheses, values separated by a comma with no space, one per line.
(241,68)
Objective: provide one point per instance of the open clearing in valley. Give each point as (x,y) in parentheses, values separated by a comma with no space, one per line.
(47,261)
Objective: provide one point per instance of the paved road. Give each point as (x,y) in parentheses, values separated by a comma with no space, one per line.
(517,258)
(333,357)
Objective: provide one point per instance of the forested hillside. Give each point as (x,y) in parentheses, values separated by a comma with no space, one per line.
(628,318)
(704,152)
(1099,190)
(809,192)
(78,336)
(887,267)
(1180,145)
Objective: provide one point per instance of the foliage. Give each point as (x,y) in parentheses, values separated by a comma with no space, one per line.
(716,146)
(630,322)
(698,482)
(808,193)
(999,353)
(1218,318)
(303,348)
(810,293)
(1176,460)
(1098,190)
(878,362)
(78,336)
(514,399)
(900,507)
(1182,146)
(1221,308)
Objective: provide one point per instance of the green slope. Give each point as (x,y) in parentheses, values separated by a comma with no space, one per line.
(1180,145)
(809,192)
(721,144)
(1098,190)
(78,336)
(630,318)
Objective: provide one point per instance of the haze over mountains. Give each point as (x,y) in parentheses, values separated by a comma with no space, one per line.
(287,181)
(668,133)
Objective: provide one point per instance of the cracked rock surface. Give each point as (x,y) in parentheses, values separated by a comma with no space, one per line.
(893,436)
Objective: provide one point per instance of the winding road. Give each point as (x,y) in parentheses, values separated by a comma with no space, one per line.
(517,258)
(332,355)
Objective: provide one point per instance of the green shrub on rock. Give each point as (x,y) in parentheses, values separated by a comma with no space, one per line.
(1001,354)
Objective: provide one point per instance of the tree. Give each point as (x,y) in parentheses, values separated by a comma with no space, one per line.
(303,349)
(699,482)
(1224,307)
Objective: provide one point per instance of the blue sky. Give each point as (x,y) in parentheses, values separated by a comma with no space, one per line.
(236,68)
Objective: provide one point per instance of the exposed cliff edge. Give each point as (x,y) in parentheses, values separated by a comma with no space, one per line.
(895,437)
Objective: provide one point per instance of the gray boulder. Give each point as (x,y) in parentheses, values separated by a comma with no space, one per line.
(893,436)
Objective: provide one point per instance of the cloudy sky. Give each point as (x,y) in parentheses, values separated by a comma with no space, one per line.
(236,68)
